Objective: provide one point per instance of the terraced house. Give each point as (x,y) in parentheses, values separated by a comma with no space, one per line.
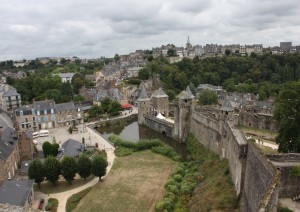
(46,114)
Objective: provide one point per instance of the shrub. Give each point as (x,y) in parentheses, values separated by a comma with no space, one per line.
(52,205)
(177,177)
(123,151)
(294,171)
(173,188)
(73,201)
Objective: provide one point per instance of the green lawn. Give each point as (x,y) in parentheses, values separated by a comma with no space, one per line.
(135,183)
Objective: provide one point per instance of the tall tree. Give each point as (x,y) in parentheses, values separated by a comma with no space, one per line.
(36,171)
(287,115)
(84,166)
(99,165)
(52,169)
(68,168)
(46,148)
(208,97)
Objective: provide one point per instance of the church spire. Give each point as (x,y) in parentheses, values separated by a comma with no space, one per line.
(188,40)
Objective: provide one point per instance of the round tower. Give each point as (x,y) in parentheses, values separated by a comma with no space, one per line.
(143,105)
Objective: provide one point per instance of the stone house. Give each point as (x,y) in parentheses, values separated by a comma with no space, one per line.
(9,153)
(68,114)
(46,114)
(10,99)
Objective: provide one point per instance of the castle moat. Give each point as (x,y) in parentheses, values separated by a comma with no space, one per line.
(134,132)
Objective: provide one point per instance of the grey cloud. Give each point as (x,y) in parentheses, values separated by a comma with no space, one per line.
(103,28)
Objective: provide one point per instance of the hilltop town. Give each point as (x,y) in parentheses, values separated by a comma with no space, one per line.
(224,95)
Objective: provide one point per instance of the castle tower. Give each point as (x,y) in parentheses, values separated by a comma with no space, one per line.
(186,101)
(143,105)
(226,110)
(160,102)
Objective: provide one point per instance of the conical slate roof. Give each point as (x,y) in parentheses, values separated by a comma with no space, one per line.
(159,93)
(227,106)
(143,95)
(188,90)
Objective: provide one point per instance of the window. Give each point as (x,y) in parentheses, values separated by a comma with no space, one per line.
(32,111)
(38,112)
(46,118)
(52,111)
(21,112)
(45,112)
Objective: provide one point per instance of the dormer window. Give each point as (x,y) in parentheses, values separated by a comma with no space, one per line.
(21,112)
(38,112)
(52,111)
(45,112)
(33,111)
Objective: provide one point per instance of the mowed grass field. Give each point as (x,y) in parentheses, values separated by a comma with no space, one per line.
(135,183)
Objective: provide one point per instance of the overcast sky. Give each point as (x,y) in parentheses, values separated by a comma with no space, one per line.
(90,28)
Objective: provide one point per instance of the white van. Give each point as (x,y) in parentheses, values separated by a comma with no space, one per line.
(35,135)
(44,133)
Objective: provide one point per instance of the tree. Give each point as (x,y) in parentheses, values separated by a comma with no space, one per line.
(98,167)
(78,98)
(208,97)
(54,149)
(68,168)
(105,104)
(144,74)
(53,94)
(84,165)
(95,111)
(227,52)
(66,91)
(114,108)
(287,115)
(117,57)
(36,171)
(52,169)
(171,53)
(47,148)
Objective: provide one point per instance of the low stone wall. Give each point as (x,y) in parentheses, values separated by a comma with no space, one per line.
(113,121)
(261,184)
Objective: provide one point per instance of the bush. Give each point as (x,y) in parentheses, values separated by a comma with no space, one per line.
(294,171)
(73,201)
(173,188)
(52,205)
(177,177)
(166,151)
(123,151)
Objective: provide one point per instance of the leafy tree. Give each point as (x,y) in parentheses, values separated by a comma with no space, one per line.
(98,167)
(84,166)
(38,86)
(287,115)
(144,74)
(208,97)
(114,108)
(66,91)
(54,149)
(95,111)
(36,171)
(117,57)
(227,52)
(47,148)
(68,168)
(171,53)
(52,169)
(105,104)
(78,98)
(53,94)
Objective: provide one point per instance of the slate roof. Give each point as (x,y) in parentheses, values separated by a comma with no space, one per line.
(15,192)
(84,105)
(66,75)
(263,104)
(7,143)
(11,92)
(188,90)
(44,105)
(143,95)
(159,93)
(65,106)
(71,148)
(227,106)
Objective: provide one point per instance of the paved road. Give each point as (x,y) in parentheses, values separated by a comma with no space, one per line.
(91,138)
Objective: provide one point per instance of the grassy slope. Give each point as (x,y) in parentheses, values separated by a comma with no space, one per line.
(135,183)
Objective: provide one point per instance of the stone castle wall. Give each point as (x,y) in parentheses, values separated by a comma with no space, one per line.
(261,183)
